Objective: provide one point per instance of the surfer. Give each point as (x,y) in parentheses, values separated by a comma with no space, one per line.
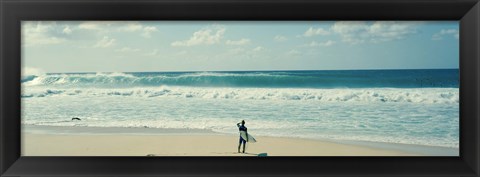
(241,127)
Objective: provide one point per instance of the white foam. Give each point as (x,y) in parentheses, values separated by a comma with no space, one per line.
(267,113)
(417,95)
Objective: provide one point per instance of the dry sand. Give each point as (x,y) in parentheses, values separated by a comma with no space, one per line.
(38,144)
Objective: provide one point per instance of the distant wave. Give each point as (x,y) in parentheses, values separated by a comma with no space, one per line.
(287,79)
(421,95)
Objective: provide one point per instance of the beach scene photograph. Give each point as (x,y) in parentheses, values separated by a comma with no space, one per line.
(240,88)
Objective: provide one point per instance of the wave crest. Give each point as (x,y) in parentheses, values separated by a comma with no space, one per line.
(298,79)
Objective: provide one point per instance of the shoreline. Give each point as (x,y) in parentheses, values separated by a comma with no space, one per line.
(99,141)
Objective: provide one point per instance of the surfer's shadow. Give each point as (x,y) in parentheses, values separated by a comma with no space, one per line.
(262,154)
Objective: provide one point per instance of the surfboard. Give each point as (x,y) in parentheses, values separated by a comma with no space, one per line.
(251,139)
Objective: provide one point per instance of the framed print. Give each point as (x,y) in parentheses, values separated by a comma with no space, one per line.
(340,88)
(292,88)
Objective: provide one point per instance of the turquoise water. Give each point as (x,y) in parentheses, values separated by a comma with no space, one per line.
(400,106)
(441,78)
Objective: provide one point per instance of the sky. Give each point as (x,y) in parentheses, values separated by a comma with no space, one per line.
(160,46)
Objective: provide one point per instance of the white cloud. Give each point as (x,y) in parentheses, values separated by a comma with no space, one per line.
(206,36)
(294,52)
(313,32)
(106,26)
(280,38)
(351,32)
(243,41)
(40,33)
(257,49)
(146,31)
(446,32)
(324,44)
(127,49)
(67,30)
(387,31)
(131,27)
(105,42)
(356,32)
(90,25)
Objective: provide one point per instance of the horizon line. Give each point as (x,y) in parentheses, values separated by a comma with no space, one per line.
(171,71)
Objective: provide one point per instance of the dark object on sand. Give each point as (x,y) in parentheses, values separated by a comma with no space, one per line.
(262,155)
(76,118)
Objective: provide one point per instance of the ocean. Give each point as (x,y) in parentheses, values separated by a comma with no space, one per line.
(418,107)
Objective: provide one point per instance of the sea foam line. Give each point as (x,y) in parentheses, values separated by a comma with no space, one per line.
(418,95)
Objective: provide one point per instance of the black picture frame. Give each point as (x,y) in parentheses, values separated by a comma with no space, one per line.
(12,12)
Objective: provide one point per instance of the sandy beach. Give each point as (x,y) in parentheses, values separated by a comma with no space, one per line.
(186,145)
(75,141)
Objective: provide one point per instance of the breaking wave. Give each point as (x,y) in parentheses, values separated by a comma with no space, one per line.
(270,79)
(419,95)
